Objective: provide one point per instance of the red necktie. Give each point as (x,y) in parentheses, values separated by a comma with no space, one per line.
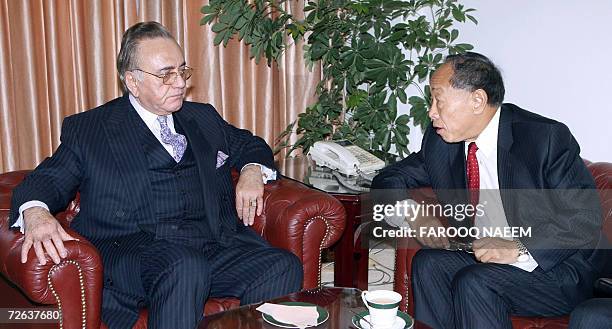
(473,175)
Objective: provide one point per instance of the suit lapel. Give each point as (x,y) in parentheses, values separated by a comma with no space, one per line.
(455,189)
(206,162)
(504,144)
(504,163)
(456,157)
(128,152)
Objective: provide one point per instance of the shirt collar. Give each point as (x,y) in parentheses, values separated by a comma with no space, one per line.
(148,117)
(487,140)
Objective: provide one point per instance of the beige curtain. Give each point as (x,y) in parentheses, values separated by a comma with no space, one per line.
(57,58)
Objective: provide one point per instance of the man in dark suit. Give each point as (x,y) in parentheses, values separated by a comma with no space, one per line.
(156,195)
(476,148)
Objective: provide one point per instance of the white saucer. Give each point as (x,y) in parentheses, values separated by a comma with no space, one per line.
(398,324)
(400,321)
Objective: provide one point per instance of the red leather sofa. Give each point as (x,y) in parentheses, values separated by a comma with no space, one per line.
(406,249)
(295,217)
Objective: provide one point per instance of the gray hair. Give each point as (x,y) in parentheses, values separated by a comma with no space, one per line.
(127,60)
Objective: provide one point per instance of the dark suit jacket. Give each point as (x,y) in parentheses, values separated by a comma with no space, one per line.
(534,153)
(100,156)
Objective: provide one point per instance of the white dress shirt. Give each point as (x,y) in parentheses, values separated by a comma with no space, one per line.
(490,198)
(150,119)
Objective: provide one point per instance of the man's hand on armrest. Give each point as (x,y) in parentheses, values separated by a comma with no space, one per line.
(249,194)
(45,234)
(406,216)
(423,224)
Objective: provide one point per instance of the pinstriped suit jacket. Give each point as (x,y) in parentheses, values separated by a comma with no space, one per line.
(99,156)
(534,152)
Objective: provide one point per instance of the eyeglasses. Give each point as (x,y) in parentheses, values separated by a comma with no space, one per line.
(170,77)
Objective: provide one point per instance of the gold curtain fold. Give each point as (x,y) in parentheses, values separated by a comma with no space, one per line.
(57,58)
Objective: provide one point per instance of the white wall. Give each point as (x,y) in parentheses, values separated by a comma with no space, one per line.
(556,60)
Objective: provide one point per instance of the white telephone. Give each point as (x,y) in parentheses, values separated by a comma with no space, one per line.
(344,156)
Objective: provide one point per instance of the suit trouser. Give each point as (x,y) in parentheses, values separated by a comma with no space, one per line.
(452,290)
(593,314)
(173,280)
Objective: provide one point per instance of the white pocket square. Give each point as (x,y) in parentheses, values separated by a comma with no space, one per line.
(221,158)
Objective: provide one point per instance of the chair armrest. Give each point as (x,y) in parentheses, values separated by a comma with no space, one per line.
(406,249)
(302,220)
(74,285)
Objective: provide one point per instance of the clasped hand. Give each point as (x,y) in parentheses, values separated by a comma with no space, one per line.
(486,250)
(495,250)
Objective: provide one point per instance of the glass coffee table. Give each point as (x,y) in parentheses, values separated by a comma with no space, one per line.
(339,302)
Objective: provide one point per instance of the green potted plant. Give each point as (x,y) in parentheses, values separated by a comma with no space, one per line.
(370,53)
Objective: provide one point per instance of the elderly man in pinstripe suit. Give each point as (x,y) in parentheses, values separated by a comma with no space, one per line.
(157,198)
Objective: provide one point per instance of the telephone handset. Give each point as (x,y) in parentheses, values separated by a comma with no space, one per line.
(344,156)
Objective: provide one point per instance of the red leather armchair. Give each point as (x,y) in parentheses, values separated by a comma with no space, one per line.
(406,249)
(295,217)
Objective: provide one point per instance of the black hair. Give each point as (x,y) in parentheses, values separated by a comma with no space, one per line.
(472,71)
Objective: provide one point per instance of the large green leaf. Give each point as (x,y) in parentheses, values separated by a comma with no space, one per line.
(207,10)
(402,120)
(219,38)
(400,137)
(401,95)
(392,103)
(219,27)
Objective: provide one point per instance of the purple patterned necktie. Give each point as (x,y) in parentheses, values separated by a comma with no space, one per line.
(177,141)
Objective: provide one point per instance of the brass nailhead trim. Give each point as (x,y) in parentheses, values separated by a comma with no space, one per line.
(55,268)
(322,242)
(406,295)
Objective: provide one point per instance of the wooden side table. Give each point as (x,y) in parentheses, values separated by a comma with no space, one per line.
(350,256)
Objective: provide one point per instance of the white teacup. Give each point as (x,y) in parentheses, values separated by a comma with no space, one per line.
(382,305)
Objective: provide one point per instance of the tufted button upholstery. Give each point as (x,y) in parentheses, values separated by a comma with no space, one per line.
(406,249)
(295,217)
